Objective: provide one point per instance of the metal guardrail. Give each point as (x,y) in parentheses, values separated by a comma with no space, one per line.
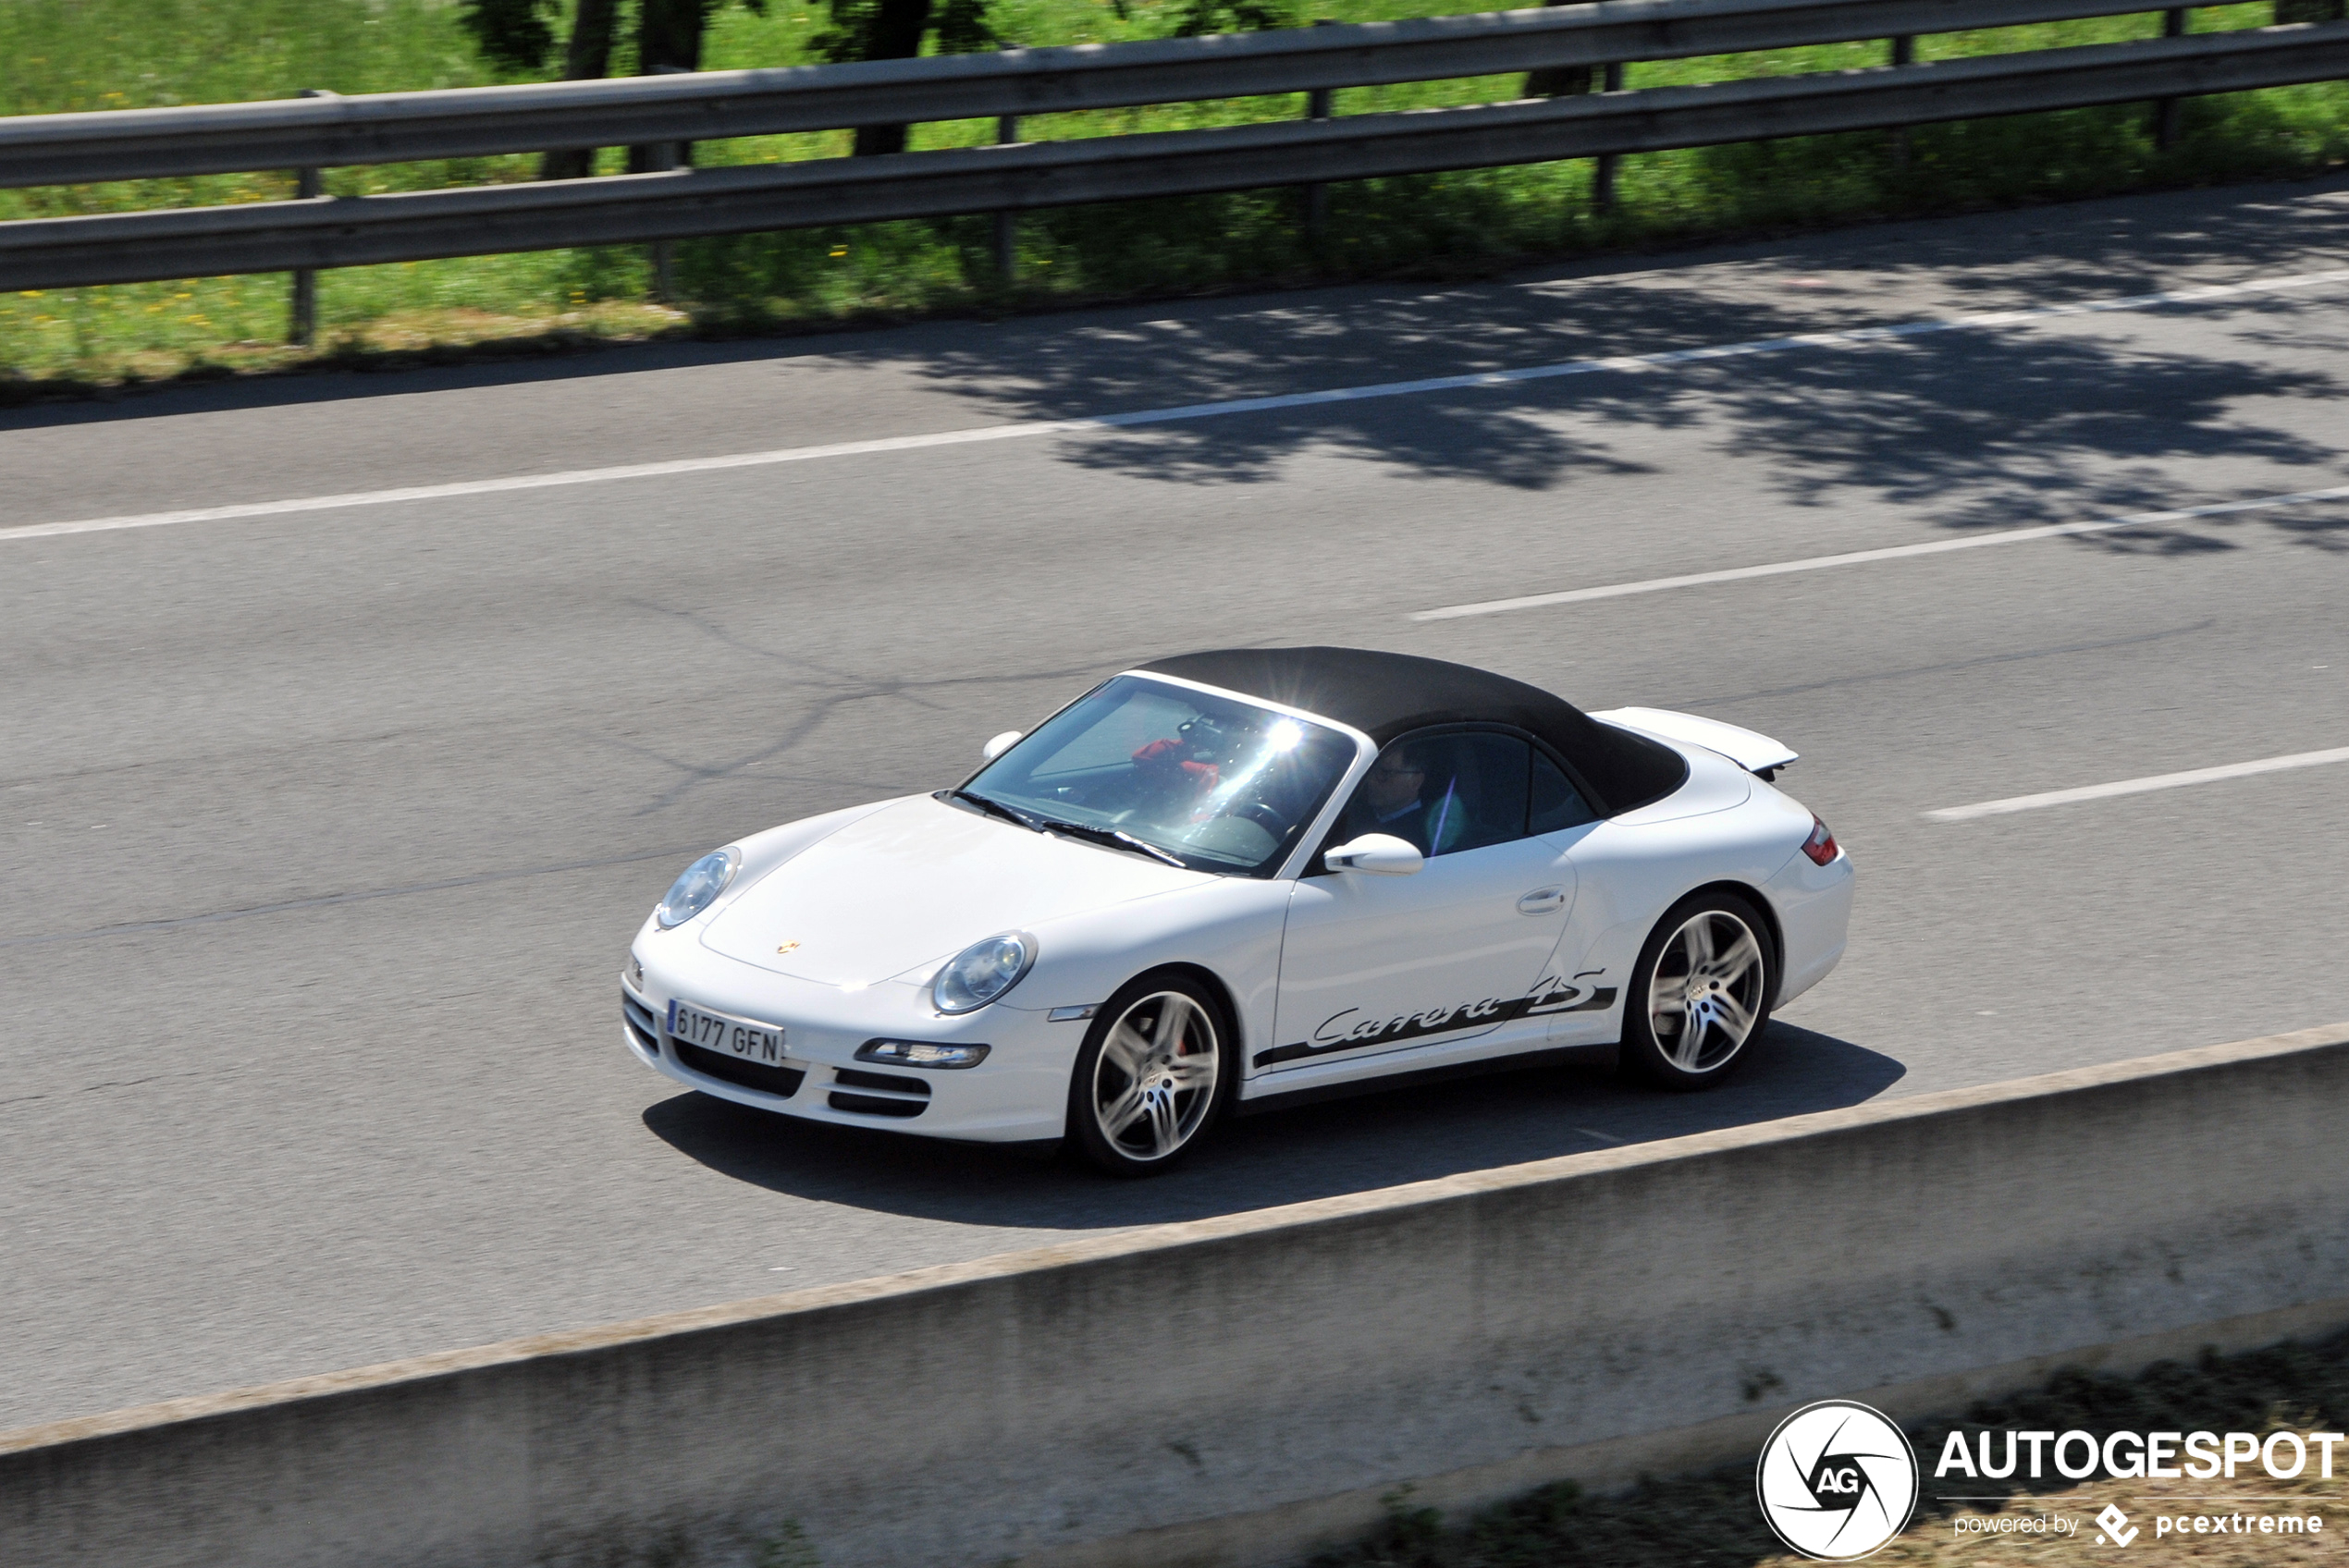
(331,232)
(707,105)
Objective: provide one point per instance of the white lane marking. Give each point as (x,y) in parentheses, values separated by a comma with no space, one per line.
(540,481)
(1854,337)
(1890,553)
(2139,786)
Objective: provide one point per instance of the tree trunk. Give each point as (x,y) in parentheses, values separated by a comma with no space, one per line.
(668,40)
(669,33)
(896,34)
(1559,81)
(588,57)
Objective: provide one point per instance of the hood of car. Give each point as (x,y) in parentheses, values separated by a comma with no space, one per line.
(916,882)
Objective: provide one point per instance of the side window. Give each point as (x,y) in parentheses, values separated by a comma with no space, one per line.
(1443,793)
(1556,803)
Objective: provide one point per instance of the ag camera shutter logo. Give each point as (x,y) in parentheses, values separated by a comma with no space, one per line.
(1837,1481)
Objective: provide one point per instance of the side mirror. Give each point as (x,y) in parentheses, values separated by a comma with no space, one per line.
(1380,854)
(999,744)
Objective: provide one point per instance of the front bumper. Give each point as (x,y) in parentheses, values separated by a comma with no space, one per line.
(1018,1093)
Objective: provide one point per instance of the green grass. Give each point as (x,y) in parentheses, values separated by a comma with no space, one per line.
(58,56)
(1710,1520)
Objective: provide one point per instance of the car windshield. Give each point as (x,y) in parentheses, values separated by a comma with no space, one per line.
(1219,783)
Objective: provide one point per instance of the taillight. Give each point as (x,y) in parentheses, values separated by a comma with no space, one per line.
(1820,845)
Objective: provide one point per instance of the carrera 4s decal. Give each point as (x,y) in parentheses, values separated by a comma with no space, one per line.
(1349,1030)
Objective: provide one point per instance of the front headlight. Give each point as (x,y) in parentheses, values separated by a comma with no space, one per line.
(698,888)
(982,971)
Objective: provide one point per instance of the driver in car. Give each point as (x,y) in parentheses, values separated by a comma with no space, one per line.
(1392,801)
(1176,779)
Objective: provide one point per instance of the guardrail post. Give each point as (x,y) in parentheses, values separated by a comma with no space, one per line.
(1006,221)
(1603,179)
(303,317)
(660,158)
(1317,196)
(2165,111)
(1905,52)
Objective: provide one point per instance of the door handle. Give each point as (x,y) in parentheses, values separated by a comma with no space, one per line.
(1541,900)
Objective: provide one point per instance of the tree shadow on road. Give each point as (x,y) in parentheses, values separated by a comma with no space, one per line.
(1975,428)
(1324,1150)
(2004,429)
(1970,429)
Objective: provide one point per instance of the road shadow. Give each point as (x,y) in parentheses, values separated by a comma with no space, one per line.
(1981,427)
(1360,1144)
(1986,427)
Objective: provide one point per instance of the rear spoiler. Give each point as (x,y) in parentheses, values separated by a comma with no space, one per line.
(1758,754)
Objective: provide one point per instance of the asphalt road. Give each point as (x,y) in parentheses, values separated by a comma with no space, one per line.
(324,831)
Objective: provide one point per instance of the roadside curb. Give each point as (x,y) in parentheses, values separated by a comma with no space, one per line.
(1483,1327)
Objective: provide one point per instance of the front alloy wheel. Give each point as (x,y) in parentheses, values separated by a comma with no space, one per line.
(1150,1078)
(1702,990)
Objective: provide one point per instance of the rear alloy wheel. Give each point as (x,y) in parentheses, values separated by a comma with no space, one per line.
(1153,1076)
(1702,991)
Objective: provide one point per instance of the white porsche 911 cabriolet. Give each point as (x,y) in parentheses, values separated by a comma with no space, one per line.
(1228,878)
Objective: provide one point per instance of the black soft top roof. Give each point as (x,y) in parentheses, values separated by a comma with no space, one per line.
(1384,695)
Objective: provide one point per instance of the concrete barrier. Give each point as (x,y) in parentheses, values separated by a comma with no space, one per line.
(1233,1390)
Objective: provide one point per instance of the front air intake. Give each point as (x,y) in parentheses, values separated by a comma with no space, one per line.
(781,1082)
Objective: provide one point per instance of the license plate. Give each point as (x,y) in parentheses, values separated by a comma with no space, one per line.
(716,1032)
